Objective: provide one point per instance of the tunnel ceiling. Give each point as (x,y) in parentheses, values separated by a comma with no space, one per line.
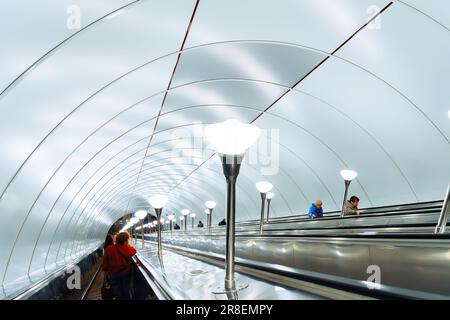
(104,103)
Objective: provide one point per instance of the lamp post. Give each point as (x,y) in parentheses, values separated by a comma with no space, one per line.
(445,212)
(348,176)
(231,140)
(185,213)
(269,197)
(193,217)
(141,214)
(133,222)
(210,205)
(158,202)
(263,187)
(152,226)
(167,225)
(208,213)
(181,220)
(207,216)
(171,217)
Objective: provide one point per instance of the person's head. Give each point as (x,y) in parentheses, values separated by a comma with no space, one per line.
(122,238)
(318,204)
(109,240)
(354,200)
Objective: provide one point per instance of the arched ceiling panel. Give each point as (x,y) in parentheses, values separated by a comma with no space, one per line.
(436,10)
(50,88)
(405,56)
(218,21)
(313,136)
(107,56)
(390,119)
(42,26)
(268,62)
(216,92)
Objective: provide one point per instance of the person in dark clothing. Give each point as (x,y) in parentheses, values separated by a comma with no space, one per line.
(223,222)
(176,227)
(200,224)
(108,241)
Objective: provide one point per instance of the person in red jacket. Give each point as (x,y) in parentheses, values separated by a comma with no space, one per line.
(117,265)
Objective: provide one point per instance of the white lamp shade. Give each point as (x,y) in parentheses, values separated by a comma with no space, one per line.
(207,211)
(210,204)
(171,216)
(161,220)
(232,137)
(270,195)
(181,218)
(158,201)
(264,186)
(185,212)
(141,214)
(192,215)
(348,175)
(134,220)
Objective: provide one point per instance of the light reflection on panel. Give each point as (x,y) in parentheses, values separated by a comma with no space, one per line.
(244,93)
(280,64)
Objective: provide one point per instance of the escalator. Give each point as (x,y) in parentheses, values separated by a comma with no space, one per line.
(412,260)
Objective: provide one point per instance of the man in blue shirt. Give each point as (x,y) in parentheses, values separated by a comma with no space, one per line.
(316,210)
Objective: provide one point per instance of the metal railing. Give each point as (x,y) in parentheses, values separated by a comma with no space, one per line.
(442,222)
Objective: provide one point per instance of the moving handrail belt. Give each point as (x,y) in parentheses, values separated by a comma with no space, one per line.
(417,208)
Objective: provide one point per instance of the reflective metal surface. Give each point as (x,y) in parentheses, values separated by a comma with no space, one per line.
(187,278)
(408,262)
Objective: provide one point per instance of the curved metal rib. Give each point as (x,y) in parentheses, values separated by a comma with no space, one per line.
(28,70)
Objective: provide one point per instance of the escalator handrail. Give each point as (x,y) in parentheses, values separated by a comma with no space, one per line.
(336,216)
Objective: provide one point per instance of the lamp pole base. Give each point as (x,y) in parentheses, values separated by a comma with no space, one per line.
(239,285)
